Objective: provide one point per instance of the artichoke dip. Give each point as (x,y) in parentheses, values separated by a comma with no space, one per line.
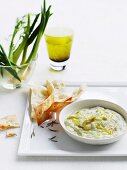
(95,123)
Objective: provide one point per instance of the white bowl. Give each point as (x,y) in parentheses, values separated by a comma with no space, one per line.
(72,108)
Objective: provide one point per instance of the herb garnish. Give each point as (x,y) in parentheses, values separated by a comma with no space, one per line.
(53,130)
(33,133)
(51,123)
(52,139)
(42,126)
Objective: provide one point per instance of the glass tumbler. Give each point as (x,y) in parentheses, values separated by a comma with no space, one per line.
(59,43)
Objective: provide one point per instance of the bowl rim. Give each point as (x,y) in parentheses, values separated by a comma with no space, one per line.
(92,139)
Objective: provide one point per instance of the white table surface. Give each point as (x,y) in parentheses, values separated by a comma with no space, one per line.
(99,54)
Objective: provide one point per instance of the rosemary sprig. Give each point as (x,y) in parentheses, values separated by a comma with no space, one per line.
(52,139)
(42,126)
(33,133)
(51,123)
(53,130)
(55,122)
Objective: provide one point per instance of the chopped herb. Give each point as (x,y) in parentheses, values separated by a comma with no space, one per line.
(53,130)
(51,123)
(33,133)
(42,126)
(54,140)
(52,137)
(55,122)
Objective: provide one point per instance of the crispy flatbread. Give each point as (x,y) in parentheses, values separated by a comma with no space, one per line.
(45,105)
(10,134)
(59,85)
(37,95)
(9,122)
(55,103)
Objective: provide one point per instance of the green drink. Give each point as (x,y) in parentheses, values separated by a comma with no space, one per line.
(59,42)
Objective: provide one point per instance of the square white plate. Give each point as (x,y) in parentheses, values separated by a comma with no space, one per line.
(40,145)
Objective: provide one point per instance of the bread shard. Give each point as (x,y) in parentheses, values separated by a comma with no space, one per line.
(52,99)
(37,95)
(9,122)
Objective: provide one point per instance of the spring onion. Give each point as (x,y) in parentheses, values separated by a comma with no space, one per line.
(25,41)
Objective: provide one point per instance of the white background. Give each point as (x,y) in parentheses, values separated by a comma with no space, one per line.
(99,54)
